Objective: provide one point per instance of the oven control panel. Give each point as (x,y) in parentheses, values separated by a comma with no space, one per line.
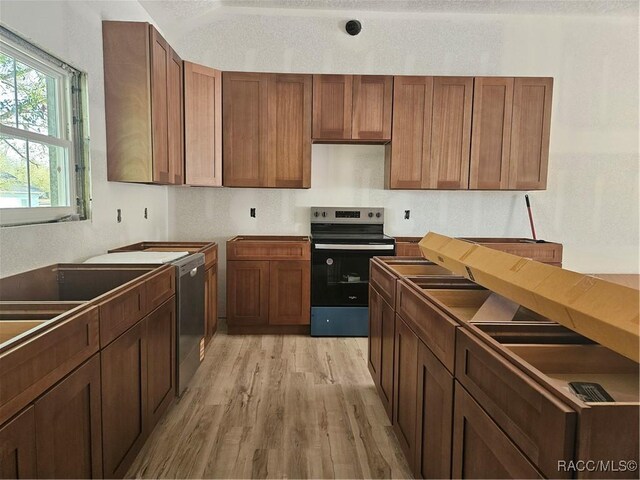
(347,215)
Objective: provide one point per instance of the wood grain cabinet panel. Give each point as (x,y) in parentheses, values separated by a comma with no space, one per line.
(480,448)
(387,349)
(69,426)
(405,387)
(175,114)
(289,131)
(36,365)
(248,292)
(120,312)
(143,102)
(407,154)
(161,360)
(491,133)
(244,127)
(266,130)
(375,335)
(332,107)
(124,400)
(18,447)
(434,417)
(289,292)
(539,424)
(211,302)
(203,125)
(372,100)
(530,131)
(450,133)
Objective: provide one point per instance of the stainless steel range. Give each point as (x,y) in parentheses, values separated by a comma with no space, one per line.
(343,240)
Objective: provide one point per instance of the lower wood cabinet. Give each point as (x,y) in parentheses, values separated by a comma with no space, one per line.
(248,292)
(69,426)
(18,446)
(268,285)
(289,292)
(210,302)
(480,448)
(434,416)
(161,361)
(124,399)
(381,341)
(405,388)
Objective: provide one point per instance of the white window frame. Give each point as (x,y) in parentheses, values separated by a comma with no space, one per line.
(65,139)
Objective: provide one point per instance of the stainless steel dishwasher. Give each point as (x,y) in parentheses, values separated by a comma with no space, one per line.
(190,317)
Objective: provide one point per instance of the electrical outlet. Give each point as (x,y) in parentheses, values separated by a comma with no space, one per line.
(146,213)
(407,214)
(119,215)
(252,212)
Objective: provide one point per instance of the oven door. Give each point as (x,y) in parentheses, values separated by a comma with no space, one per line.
(340,272)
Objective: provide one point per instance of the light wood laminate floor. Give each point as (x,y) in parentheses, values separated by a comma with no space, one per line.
(267,406)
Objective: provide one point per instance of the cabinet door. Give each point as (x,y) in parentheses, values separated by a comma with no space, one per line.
(160,57)
(375,335)
(69,426)
(211,302)
(175,120)
(161,360)
(480,447)
(203,125)
(332,107)
(407,154)
(372,96)
(244,129)
(434,414)
(124,394)
(405,387)
(491,133)
(387,341)
(289,292)
(450,133)
(289,128)
(247,292)
(530,133)
(18,446)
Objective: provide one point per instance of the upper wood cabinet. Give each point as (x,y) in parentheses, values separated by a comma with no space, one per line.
(450,133)
(510,137)
(143,104)
(202,125)
(431,133)
(407,164)
(352,107)
(530,130)
(266,130)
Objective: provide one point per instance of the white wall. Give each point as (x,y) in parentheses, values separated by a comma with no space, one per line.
(591,204)
(72,31)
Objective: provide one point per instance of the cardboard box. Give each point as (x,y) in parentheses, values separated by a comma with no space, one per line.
(605,312)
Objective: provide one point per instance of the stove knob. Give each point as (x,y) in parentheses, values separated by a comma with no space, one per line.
(378,215)
(316,214)
(324,214)
(370,214)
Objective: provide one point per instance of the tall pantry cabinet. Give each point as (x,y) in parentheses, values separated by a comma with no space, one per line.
(144,105)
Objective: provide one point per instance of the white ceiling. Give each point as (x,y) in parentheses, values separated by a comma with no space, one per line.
(183,9)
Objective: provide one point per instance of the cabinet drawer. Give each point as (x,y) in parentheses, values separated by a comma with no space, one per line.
(434,328)
(480,448)
(537,422)
(384,282)
(256,249)
(32,367)
(210,256)
(122,311)
(408,249)
(159,288)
